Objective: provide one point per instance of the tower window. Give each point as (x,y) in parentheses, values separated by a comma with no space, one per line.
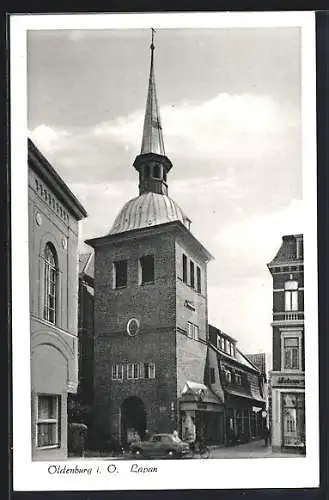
(50,284)
(157,171)
(133,371)
(146,269)
(149,370)
(120,274)
(192,330)
(117,372)
(198,279)
(291,296)
(165,175)
(184,268)
(147,171)
(192,274)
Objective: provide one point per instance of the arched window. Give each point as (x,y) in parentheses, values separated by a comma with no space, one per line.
(50,284)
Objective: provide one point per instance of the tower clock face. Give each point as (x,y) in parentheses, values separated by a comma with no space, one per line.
(133,327)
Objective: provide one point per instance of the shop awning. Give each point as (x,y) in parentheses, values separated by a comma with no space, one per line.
(195,391)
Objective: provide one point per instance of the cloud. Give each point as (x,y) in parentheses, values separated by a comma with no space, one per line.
(227,126)
(47,138)
(260,235)
(234,309)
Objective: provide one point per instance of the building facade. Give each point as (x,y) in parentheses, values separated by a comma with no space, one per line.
(80,403)
(288,374)
(54,213)
(259,360)
(241,386)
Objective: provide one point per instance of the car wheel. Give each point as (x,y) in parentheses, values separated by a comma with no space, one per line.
(137,452)
(171,454)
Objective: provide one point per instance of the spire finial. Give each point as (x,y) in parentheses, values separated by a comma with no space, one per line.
(152,162)
(152,43)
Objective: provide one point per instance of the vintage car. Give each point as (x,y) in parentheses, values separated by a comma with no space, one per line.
(161,446)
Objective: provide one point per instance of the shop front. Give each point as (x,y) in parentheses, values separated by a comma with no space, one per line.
(288,412)
(243,420)
(201,413)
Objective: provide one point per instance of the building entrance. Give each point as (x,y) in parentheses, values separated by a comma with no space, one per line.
(133,420)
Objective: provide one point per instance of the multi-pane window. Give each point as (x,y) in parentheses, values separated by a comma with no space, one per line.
(146,269)
(50,284)
(48,421)
(192,331)
(228,375)
(133,371)
(198,279)
(192,274)
(120,273)
(184,268)
(238,379)
(291,353)
(221,343)
(117,372)
(291,296)
(227,346)
(149,370)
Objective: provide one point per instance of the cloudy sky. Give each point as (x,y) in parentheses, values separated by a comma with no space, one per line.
(230,110)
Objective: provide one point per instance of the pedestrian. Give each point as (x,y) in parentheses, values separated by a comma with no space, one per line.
(175,436)
(147,435)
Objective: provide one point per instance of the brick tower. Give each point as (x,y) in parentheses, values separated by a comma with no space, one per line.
(150,315)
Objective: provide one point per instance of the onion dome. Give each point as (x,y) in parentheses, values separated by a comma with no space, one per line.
(148,209)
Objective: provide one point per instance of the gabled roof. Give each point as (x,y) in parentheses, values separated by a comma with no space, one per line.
(86,264)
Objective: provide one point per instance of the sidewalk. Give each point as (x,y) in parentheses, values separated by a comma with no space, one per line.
(254,449)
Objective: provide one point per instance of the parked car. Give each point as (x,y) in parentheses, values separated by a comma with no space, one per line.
(161,445)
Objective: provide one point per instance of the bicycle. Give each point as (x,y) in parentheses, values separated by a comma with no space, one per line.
(200,449)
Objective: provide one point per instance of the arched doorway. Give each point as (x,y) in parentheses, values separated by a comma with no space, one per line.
(133,418)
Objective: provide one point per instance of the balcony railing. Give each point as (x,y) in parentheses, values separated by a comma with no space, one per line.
(288,316)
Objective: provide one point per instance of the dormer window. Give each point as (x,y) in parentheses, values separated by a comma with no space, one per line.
(299,248)
(228,375)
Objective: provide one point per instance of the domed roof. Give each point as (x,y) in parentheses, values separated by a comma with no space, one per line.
(148,209)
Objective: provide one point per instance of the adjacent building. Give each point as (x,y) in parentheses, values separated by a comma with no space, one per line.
(54,213)
(241,386)
(288,374)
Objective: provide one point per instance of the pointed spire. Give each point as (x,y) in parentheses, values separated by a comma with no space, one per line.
(152,141)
